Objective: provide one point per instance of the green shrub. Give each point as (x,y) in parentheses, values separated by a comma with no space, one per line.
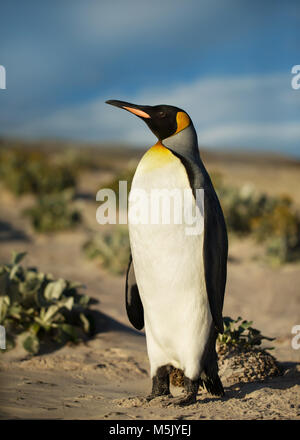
(35,306)
(272,221)
(25,171)
(279,228)
(53,212)
(240,334)
(241,206)
(110,248)
(79,159)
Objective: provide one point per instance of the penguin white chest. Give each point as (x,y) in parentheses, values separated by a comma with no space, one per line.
(169,267)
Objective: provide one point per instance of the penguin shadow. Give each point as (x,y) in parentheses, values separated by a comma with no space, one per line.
(10,233)
(102,323)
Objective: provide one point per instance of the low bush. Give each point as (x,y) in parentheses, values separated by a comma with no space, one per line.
(272,221)
(28,171)
(53,212)
(37,307)
(279,229)
(110,248)
(240,334)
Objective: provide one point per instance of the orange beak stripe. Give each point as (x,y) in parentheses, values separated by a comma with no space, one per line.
(137,112)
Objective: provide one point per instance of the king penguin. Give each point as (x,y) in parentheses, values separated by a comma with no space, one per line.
(175,282)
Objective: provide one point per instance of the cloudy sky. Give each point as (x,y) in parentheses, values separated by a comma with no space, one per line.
(226,62)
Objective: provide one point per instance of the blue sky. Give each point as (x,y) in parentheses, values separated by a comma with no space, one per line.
(226,62)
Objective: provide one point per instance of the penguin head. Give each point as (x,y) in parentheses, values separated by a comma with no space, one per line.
(163,120)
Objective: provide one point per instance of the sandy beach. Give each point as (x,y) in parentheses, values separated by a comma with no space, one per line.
(107,377)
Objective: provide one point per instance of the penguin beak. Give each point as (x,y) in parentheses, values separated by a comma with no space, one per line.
(142,111)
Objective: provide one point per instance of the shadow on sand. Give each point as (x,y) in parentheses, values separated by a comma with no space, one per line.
(288,379)
(104,323)
(100,323)
(9,233)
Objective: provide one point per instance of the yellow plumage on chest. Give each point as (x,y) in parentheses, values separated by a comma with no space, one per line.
(156,157)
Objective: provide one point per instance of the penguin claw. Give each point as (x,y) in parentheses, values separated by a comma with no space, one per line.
(154,396)
(188,399)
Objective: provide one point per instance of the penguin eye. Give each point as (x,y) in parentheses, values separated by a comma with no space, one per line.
(161,114)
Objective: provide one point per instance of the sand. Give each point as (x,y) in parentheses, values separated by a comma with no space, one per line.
(107,377)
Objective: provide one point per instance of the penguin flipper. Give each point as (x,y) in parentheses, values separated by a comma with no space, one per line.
(134,306)
(215,249)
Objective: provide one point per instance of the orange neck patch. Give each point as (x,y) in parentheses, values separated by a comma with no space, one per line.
(182,120)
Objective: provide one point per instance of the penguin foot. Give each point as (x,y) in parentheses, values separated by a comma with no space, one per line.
(190,393)
(187,399)
(160,383)
(154,396)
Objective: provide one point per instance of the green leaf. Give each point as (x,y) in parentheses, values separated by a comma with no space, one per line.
(15,311)
(85,322)
(4,305)
(246,324)
(55,289)
(46,317)
(31,344)
(67,303)
(49,314)
(84,300)
(46,326)
(17,257)
(34,328)
(70,330)
(14,272)
(75,285)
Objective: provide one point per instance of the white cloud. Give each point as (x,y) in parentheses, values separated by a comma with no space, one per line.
(260,112)
(241,134)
